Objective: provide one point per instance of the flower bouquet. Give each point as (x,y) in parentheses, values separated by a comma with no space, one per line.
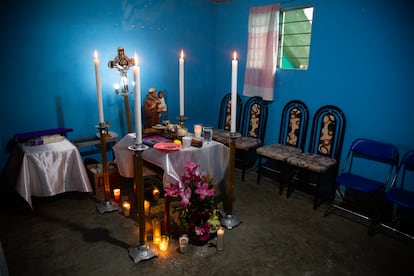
(199,215)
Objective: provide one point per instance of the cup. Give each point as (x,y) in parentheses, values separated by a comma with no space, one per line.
(183,240)
(117,194)
(197,130)
(187,141)
(208,133)
(164,242)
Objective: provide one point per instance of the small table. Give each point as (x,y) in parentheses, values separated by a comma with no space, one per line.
(50,169)
(212,157)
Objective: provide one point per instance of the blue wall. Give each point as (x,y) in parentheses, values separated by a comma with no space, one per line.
(361,60)
(48,46)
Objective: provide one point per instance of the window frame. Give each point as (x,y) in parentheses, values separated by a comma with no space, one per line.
(281,48)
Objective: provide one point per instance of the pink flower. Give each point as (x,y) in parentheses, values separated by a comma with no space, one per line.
(199,230)
(203,232)
(185,197)
(190,167)
(173,191)
(204,191)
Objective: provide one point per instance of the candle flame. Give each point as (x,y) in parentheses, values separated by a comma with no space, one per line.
(182,54)
(234,55)
(96,54)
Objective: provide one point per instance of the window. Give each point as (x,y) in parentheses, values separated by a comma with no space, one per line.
(295,30)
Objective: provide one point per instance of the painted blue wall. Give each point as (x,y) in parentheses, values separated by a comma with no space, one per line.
(361,60)
(48,46)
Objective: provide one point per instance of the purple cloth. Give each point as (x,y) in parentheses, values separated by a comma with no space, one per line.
(23,137)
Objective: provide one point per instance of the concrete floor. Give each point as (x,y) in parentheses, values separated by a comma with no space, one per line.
(65,235)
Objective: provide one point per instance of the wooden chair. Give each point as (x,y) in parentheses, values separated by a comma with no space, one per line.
(225,112)
(318,167)
(252,133)
(292,137)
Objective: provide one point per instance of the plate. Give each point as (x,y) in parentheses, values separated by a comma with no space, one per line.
(111,133)
(159,127)
(167,147)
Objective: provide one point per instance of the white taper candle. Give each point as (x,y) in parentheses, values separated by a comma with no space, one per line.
(137,102)
(234,64)
(99,89)
(181,79)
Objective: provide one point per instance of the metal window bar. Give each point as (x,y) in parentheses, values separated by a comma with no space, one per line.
(296,21)
(282,34)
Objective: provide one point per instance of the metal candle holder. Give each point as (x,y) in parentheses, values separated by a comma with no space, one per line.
(125,93)
(141,251)
(181,119)
(229,220)
(107,205)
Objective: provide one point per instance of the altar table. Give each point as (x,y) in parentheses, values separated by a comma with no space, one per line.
(212,157)
(49,169)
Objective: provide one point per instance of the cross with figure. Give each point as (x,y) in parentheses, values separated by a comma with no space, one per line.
(122,63)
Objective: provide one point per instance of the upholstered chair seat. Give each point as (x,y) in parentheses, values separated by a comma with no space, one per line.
(311,162)
(278,151)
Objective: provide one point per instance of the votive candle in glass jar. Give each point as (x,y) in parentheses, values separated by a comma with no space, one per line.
(164,242)
(117,194)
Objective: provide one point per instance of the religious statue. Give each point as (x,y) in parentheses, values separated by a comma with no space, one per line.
(151,104)
(162,106)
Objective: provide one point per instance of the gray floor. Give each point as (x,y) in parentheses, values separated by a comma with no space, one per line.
(65,235)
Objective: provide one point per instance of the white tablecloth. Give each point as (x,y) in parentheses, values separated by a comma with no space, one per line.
(50,169)
(212,157)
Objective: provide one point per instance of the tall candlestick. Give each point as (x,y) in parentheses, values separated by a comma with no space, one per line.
(137,102)
(182,83)
(99,89)
(234,64)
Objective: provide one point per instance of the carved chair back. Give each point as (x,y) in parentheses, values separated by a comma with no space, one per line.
(225,112)
(255,118)
(328,130)
(294,124)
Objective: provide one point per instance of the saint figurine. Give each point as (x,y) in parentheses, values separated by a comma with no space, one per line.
(152,115)
(162,106)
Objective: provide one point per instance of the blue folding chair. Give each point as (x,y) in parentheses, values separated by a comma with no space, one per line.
(400,195)
(354,178)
